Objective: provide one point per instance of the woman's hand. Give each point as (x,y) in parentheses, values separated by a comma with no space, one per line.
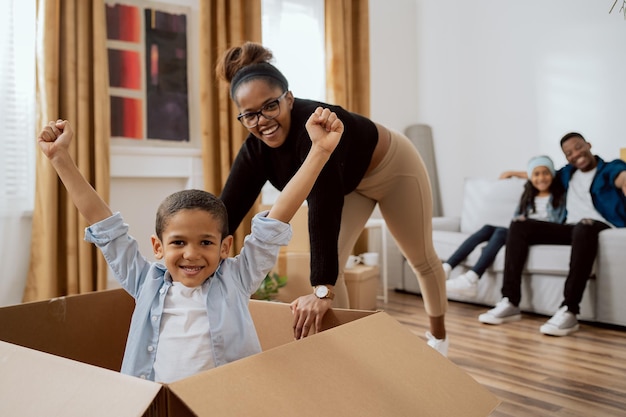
(308,311)
(325,129)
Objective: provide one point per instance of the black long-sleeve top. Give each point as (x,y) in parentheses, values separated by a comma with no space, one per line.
(257,163)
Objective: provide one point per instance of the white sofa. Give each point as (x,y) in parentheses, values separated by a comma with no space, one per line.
(492,201)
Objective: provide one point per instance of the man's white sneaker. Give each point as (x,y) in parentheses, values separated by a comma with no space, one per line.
(503,312)
(561,324)
(440,345)
(465,284)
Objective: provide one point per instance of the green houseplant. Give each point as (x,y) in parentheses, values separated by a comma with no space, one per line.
(270,286)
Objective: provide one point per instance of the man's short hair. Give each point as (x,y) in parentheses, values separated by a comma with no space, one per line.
(571,135)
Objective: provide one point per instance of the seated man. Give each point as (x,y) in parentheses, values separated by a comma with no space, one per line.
(596,200)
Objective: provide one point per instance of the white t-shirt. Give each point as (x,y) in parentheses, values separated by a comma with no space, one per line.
(184,347)
(579,203)
(541,208)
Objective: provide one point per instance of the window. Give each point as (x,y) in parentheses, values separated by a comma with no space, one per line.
(17,101)
(294,31)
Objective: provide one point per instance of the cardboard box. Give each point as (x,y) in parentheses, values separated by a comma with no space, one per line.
(364,364)
(296,267)
(362,284)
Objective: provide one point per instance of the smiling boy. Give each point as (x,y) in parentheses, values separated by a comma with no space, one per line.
(191,311)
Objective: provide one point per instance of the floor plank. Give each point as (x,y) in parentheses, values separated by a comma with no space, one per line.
(581,375)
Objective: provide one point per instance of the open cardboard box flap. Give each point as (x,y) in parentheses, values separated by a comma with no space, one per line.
(34,383)
(368,365)
(90,328)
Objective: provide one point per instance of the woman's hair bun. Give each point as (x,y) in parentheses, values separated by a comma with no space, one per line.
(237,57)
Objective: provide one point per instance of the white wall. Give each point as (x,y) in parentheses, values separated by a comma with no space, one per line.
(499,81)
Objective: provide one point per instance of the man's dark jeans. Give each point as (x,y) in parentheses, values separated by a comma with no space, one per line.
(582,237)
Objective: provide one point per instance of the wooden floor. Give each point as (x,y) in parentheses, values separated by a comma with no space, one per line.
(581,375)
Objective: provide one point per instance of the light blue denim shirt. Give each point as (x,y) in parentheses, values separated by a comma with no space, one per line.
(233,335)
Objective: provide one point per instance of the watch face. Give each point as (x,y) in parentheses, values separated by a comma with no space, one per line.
(321,291)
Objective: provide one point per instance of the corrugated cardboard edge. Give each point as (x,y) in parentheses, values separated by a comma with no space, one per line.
(373,366)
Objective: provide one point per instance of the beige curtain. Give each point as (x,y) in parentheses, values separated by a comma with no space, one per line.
(347,54)
(72,74)
(223,23)
(348,62)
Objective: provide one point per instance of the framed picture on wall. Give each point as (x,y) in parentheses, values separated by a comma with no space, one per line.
(148,71)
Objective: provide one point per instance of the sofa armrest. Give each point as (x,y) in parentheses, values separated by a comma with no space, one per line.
(610,282)
(448,224)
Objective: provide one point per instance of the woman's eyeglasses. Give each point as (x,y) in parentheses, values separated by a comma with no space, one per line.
(270,111)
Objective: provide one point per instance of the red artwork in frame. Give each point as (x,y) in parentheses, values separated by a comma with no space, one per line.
(147,55)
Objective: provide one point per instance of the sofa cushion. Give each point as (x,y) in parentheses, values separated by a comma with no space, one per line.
(548,259)
(489,201)
(542,259)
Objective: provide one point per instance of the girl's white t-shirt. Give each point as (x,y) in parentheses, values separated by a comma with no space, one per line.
(541,208)
(184,347)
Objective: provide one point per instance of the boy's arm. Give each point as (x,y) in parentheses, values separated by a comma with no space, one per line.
(325,130)
(54,141)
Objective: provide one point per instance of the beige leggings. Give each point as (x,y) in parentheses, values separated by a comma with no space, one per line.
(401,187)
